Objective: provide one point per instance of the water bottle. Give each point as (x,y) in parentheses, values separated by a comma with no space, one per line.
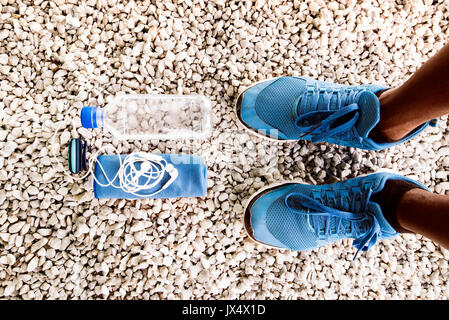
(146,116)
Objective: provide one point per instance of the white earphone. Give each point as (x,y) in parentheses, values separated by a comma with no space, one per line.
(132,180)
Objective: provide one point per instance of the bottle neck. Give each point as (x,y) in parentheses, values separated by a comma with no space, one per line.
(100,117)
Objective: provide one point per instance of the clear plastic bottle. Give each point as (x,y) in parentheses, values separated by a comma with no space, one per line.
(143,116)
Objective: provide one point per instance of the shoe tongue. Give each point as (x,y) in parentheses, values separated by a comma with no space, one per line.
(369,113)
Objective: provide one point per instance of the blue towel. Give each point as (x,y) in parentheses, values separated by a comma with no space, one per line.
(191,180)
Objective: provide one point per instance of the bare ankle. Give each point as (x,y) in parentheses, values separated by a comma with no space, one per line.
(390,133)
(393,125)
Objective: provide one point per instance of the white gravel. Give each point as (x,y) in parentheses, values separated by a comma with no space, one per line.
(57,242)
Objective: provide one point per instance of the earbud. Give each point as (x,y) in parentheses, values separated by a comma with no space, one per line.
(173,172)
(170,168)
(145,167)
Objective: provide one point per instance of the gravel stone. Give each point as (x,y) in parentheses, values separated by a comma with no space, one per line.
(58,242)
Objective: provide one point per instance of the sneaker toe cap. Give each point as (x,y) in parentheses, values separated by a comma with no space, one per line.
(258,216)
(274,224)
(248,115)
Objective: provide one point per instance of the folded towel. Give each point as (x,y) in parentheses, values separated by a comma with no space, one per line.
(190,182)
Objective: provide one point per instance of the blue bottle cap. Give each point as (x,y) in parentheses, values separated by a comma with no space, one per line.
(89,117)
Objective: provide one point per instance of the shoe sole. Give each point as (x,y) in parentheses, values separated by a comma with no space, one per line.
(242,124)
(247,211)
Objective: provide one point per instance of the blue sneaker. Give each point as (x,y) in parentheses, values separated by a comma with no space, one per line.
(302,217)
(300,108)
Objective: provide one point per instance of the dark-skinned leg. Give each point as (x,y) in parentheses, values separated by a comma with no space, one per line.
(410,209)
(426,213)
(421,98)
